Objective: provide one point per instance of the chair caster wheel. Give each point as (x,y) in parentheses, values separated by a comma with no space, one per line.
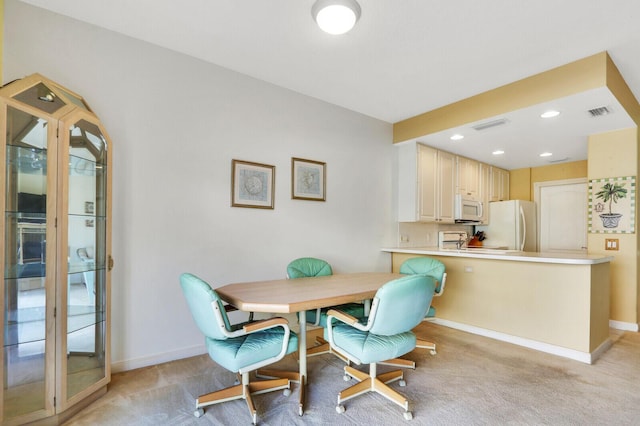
(287,392)
(408,415)
(199,412)
(340,409)
(432,352)
(346,377)
(402,383)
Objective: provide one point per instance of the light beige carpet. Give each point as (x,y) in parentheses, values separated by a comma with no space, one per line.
(471,381)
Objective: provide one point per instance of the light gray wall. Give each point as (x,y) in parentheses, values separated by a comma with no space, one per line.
(176,124)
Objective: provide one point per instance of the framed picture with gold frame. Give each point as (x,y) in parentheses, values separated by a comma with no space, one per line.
(308,179)
(252,185)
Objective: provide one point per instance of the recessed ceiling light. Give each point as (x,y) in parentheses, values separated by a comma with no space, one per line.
(546,154)
(550,114)
(498,152)
(457,137)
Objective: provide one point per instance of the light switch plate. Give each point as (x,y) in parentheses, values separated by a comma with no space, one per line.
(611,244)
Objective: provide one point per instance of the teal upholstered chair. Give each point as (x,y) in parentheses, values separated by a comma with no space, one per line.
(433,268)
(397,307)
(312,267)
(240,349)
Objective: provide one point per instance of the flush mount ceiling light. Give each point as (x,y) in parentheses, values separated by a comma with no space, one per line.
(457,137)
(336,16)
(546,154)
(498,152)
(550,114)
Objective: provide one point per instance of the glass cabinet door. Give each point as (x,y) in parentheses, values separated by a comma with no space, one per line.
(55,179)
(27,377)
(86,331)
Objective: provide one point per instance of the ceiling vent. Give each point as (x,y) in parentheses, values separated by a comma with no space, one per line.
(489,124)
(600,111)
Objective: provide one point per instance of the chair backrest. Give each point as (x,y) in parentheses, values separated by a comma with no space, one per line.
(425,266)
(401,304)
(200,298)
(308,267)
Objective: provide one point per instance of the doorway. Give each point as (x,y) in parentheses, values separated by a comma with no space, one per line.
(562,215)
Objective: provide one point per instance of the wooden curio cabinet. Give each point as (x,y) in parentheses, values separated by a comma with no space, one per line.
(56,257)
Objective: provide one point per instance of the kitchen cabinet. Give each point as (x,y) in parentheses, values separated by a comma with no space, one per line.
(485,192)
(499,184)
(56,169)
(445,186)
(468,177)
(426,183)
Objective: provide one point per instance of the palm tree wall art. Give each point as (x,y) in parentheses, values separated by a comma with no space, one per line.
(613,200)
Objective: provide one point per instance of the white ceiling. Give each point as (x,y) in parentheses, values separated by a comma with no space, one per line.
(403,57)
(526,135)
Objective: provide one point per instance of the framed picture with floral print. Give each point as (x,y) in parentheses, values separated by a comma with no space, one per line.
(308,180)
(252,184)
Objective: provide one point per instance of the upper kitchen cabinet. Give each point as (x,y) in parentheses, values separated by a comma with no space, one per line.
(56,183)
(499,190)
(485,191)
(468,177)
(426,184)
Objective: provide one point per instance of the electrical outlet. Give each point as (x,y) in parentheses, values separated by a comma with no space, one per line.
(611,244)
(404,238)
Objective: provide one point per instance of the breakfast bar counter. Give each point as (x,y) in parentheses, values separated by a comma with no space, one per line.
(511,255)
(556,303)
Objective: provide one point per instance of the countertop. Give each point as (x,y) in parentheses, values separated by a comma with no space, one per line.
(512,255)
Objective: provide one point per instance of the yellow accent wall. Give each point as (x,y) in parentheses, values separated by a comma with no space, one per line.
(521,181)
(616,154)
(520,184)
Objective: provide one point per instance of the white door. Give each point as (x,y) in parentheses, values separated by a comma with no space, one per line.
(563,216)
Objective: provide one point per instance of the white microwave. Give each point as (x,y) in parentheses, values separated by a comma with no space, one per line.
(467,209)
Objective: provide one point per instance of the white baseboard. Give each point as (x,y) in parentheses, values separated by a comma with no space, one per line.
(585,357)
(601,350)
(625,326)
(132,364)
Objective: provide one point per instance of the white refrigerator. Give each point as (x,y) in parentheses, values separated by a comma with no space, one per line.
(512,225)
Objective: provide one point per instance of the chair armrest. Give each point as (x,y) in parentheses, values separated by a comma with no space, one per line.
(257,326)
(444,282)
(344,318)
(265,324)
(339,315)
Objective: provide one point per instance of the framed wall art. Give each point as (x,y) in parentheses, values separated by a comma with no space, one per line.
(308,179)
(252,184)
(612,205)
